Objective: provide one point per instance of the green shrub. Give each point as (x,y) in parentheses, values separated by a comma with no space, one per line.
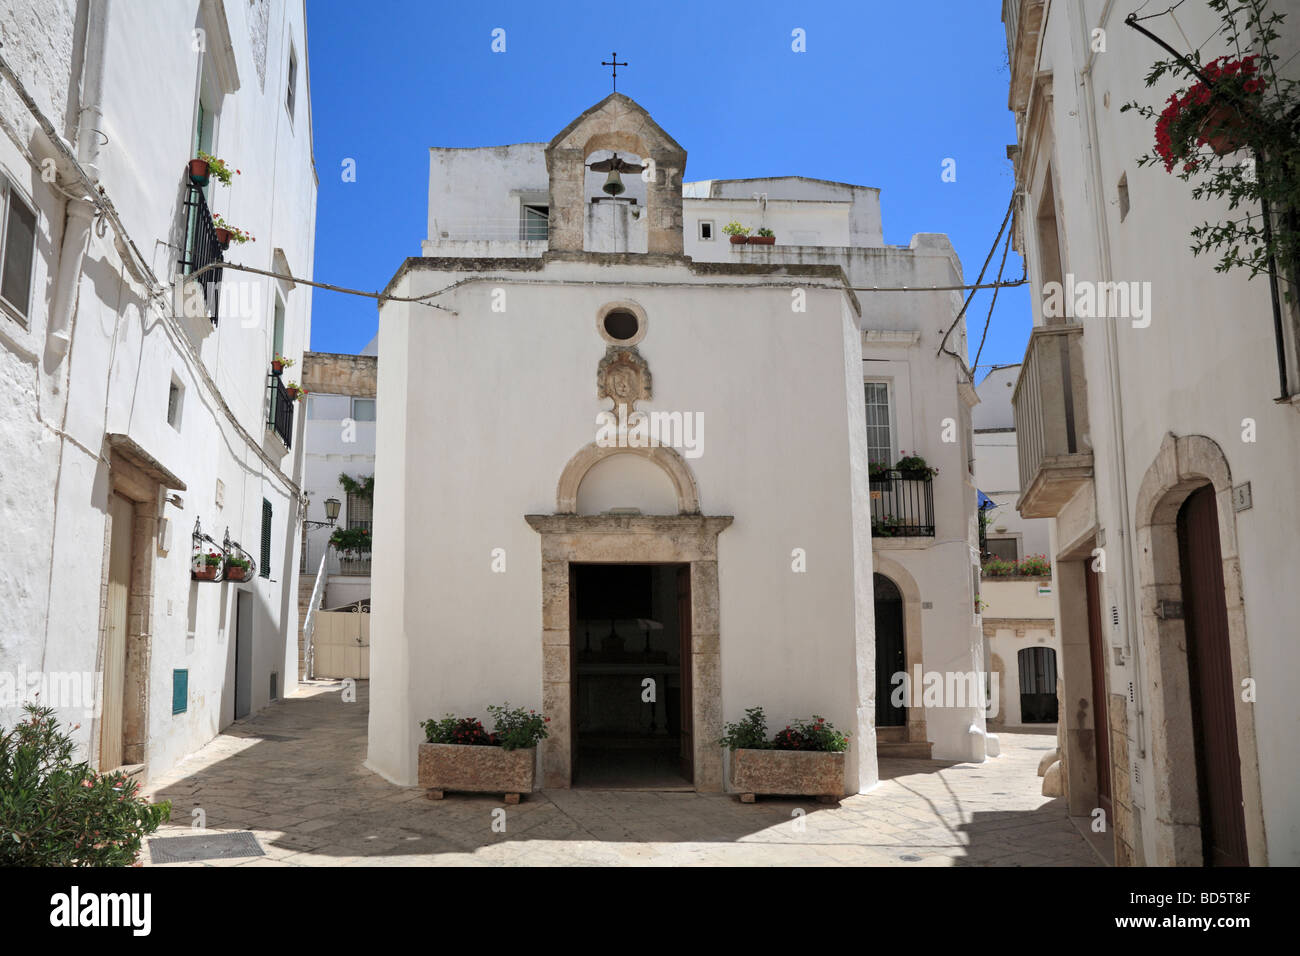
(747,734)
(517,729)
(54,812)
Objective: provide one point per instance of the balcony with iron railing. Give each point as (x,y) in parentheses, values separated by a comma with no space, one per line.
(201,246)
(1051,408)
(901,506)
(279,417)
(349,564)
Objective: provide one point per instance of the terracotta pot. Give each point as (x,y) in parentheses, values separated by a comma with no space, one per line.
(276,367)
(293,393)
(235,574)
(480,769)
(206,573)
(199,172)
(223,236)
(1222,129)
(805,773)
(739,240)
(762,240)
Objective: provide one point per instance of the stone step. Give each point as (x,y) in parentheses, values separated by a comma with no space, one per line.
(914,750)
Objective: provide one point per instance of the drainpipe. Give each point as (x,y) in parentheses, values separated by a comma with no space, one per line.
(76,229)
(1113,387)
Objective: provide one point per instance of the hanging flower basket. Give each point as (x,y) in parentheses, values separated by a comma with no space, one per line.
(199,172)
(223,236)
(1213,114)
(1223,130)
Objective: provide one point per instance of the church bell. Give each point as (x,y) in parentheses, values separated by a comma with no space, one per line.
(613,183)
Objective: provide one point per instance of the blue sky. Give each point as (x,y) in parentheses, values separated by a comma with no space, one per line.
(883,95)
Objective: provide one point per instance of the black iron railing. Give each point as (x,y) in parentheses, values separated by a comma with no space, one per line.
(901,506)
(280,411)
(201,246)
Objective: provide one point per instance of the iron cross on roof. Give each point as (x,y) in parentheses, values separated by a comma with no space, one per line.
(613,61)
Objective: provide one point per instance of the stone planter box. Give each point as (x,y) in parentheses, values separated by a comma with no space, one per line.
(473,769)
(804,773)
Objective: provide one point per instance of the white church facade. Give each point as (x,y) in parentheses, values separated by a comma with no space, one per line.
(757,548)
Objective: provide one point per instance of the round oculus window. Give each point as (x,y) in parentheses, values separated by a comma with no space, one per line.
(621,324)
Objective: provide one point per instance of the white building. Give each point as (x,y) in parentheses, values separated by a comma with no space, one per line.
(1173,531)
(1019,616)
(339,438)
(522,553)
(136,407)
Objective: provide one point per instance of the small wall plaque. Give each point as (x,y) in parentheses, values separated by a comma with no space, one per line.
(1241,497)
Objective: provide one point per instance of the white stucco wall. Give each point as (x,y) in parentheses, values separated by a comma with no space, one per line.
(124,355)
(1204,364)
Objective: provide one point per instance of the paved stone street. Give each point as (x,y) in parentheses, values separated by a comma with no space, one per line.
(293,775)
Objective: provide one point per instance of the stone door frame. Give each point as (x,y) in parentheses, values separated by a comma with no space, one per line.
(690,539)
(1183,465)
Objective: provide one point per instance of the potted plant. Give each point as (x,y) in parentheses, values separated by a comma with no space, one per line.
(206,165)
(237,568)
(199,170)
(765,237)
(295,391)
(739,234)
(1212,114)
(226,233)
(459,755)
(914,468)
(206,566)
(804,759)
(886,527)
(353,545)
(279,363)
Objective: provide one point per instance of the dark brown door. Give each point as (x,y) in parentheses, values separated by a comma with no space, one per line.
(573,675)
(687,752)
(1100,702)
(1209,663)
(891,654)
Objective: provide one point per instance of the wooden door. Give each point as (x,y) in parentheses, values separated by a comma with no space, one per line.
(122,519)
(891,653)
(1100,701)
(687,751)
(1213,700)
(573,675)
(243,654)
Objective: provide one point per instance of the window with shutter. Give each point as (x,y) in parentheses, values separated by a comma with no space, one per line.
(264,566)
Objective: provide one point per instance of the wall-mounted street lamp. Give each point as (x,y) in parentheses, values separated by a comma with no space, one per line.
(331,512)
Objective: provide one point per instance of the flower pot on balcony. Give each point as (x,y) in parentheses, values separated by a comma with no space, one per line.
(739,240)
(277,366)
(199,172)
(223,236)
(476,769)
(804,773)
(206,573)
(1223,129)
(762,240)
(293,392)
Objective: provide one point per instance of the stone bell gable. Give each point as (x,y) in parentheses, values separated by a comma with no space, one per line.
(615,123)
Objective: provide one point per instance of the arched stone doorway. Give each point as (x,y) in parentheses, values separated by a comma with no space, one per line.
(891,654)
(908,737)
(1196,659)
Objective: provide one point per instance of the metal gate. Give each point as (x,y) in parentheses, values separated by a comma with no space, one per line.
(341,643)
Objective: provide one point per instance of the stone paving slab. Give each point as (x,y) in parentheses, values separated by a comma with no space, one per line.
(293,775)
